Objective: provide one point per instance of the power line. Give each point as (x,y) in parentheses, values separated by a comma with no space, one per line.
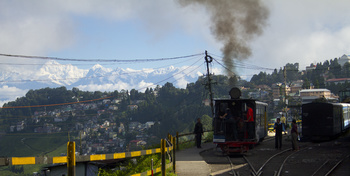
(59,104)
(177,74)
(69,103)
(98,60)
(90,77)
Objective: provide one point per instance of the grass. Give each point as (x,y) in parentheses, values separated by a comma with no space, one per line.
(24,145)
(189,142)
(15,145)
(54,145)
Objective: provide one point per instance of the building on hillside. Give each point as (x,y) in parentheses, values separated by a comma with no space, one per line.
(308,95)
(206,102)
(296,86)
(121,128)
(344,59)
(113,107)
(337,81)
(58,119)
(20,126)
(134,125)
(149,124)
(116,101)
(106,101)
(315,93)
(278,89)
(139,101)
(112,135)
(259,94)
(132,107)
(311,67)
(137,143)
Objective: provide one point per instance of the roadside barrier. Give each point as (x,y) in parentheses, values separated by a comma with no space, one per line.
(168,148)
(178,136)
(71,158)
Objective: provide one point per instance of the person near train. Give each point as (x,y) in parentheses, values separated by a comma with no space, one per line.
(283,121)
(278,134)
(198,131)
(221,119)
(294,133)
(231,125)
(250,122)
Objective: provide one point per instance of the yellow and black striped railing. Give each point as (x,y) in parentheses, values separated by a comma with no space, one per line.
(71,158)
(63,159)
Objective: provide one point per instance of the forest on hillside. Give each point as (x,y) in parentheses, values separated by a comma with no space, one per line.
(329,69)
(174,108)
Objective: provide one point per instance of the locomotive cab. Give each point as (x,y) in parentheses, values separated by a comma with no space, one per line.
(234,131)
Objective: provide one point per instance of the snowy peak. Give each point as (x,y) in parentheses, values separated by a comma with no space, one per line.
(97,78)
(60,74)
(98,70)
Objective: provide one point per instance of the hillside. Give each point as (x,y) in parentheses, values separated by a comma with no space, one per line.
(109,122)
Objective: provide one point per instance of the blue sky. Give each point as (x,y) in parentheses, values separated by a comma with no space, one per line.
(127,40)
(303,31)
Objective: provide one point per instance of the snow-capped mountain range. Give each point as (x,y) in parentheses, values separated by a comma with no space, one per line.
(15,82)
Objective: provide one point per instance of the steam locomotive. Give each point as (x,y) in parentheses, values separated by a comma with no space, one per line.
(232,131)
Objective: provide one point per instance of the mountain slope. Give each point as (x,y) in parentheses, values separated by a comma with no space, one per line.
(16,82)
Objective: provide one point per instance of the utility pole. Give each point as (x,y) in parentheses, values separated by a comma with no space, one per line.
(285,89)
(81,148)
(209,59)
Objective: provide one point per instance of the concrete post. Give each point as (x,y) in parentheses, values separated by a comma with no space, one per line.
(71,158)
(177,140)
(162,151)
(174,149)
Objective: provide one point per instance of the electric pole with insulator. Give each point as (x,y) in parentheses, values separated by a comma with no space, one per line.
(209,59)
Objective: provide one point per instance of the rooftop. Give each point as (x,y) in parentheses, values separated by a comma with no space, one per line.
(315,90)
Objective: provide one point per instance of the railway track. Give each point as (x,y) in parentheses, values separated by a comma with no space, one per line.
(272,166)
(288,162)
(327,168)
(326,158)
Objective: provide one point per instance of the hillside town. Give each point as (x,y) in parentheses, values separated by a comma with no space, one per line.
(98,134)
(98,128)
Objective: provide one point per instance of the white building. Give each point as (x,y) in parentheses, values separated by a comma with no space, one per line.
(344,59)
(308,95)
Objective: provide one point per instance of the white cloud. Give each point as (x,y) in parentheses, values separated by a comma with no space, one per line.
(10,94)
(34,27)
(303,32)
(141,86)
(298,31)
(104,87)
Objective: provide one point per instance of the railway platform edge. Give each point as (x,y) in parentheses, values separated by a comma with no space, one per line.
(189,162)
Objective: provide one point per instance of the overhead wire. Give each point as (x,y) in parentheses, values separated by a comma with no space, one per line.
(176,74)
(69,103)
(241,64)
(98,60)
(64,132)
(88,77)
(41,64)
(158,82)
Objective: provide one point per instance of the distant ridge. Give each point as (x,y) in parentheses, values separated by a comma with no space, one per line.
(98,78)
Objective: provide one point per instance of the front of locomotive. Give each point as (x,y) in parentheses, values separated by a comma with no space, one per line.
(230,123)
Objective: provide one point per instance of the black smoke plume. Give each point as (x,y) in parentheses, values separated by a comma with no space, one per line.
(234,23)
